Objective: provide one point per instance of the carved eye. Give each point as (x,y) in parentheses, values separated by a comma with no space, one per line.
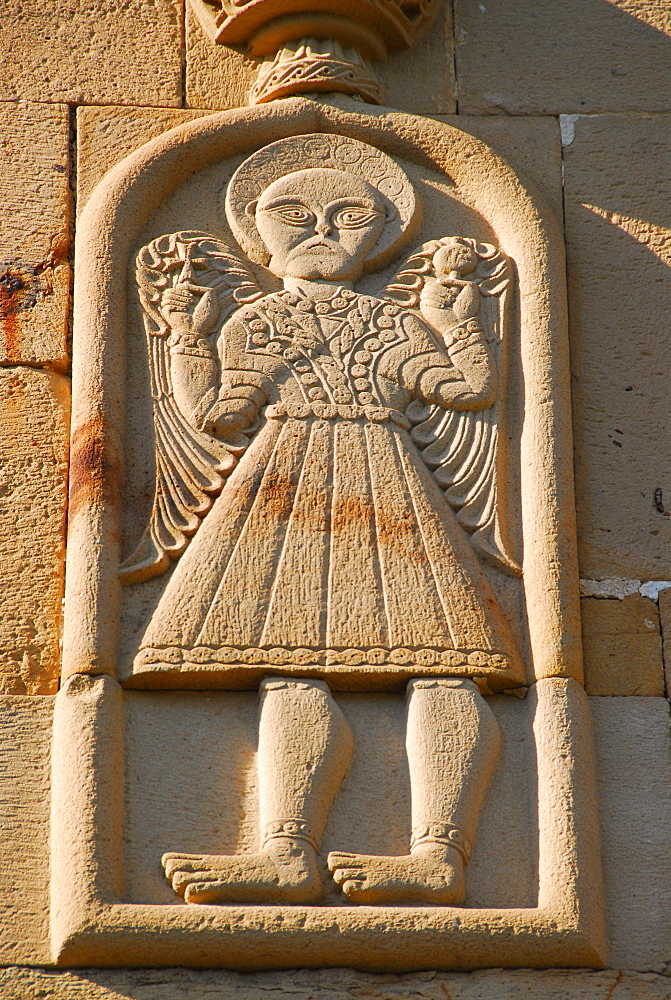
(353,217)
(292,215)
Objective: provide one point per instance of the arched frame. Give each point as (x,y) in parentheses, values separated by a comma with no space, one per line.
(89,926)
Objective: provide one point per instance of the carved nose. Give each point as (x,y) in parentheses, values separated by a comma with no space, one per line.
(323,229)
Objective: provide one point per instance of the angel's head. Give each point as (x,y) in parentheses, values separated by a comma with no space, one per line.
(319,224)
(321,207)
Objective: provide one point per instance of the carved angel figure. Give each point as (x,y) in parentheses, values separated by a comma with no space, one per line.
(326,478)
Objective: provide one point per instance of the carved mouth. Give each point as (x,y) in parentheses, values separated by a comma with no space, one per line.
(313,243)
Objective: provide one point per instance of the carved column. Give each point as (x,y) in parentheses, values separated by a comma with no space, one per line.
(322,46)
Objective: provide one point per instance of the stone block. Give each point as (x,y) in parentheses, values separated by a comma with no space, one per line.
(618,193)
(25,743)
(104,52)
(580,56)
(220,77)
(105,135)
(216,76)
(633,765)
(33,476)
(665,623)
(622,646)
(328,984)
(35,235)
(530,145)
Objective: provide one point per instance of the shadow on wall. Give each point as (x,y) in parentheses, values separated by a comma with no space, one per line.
(562,56)
(618,218)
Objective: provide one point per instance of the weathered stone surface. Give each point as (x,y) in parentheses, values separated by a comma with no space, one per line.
(33,471)
(329,984)
(431,91)
(35,234)
(530,145)
(622,646)
(25,742)
(219,77)
(633,751)
(665,624)
(216,76)
(618,193)
(99,52)
(633,760)
(106,135)
(581,56)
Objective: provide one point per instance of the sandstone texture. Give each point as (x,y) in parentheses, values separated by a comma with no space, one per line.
(530,144)
(633,761)
(35,234)
(328,984)
(620,298)
(665,623)
(33,475)
(622,646)
(25,763)
(100,53)
(578,56)
(218,77)
(633,752)
(105,135)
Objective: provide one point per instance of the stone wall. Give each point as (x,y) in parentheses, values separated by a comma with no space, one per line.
(576,96)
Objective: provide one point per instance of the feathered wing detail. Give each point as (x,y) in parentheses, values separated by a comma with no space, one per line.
(461,448)
(191,466)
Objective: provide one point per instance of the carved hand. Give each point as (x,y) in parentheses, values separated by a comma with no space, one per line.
(190,309)
(448,302)
(235,410)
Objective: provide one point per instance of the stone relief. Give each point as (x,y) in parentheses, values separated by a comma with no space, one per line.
(339,437)
(326,479)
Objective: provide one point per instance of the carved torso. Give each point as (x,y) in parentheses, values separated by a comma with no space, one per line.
(343,351)
(331,546)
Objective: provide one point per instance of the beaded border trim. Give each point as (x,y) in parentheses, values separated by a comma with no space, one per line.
(205,656)
(441,833)
(296,828)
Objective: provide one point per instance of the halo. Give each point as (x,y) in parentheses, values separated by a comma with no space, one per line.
(337,152)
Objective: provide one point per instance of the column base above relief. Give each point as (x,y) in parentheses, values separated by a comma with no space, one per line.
(375,27)
(311,65)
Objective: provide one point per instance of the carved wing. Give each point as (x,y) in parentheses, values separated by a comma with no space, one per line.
(191,466)
(462,448)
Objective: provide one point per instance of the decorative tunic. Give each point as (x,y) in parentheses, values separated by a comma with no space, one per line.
(331,545)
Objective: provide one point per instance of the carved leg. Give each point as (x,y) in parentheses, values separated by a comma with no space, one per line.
(452,744)
(305,748)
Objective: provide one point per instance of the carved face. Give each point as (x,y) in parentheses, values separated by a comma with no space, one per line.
(319,224)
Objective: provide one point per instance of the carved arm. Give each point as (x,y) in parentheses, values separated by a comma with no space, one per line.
(224,405)
(461,376)
(470,385)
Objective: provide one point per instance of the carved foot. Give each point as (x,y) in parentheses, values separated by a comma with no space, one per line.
(432,874)
(285,871)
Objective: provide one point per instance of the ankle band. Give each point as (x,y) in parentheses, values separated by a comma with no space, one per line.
(441,833)
(297,829)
